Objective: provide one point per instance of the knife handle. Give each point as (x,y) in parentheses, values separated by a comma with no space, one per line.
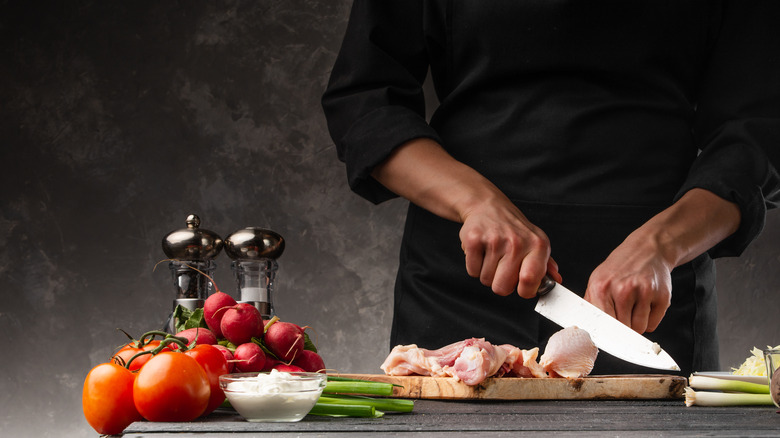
(546,286)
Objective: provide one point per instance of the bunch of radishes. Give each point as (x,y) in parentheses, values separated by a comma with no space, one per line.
(251,344)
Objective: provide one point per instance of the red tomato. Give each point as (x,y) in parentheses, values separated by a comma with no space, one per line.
(128,351)
(214,363)
(171,387)
(107,399)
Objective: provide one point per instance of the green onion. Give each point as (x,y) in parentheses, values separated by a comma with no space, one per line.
(711,391)
(345,397)
(711,398)
(381,404)
(358,387)
(716,384)
(345,410)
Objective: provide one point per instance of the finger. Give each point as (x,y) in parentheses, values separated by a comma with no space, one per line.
(657,312)
(639,317)
(552,269)
(489,264)
(643,294)
(506,277)
(474,261)
(475,254)
(623,304)
(530,277)
(534,265)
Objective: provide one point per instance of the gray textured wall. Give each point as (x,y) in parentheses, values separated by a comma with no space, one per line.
(118,119)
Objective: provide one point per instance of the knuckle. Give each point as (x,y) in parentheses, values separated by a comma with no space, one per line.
(527,279)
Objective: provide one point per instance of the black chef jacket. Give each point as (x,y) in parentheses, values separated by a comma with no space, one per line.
(592,116)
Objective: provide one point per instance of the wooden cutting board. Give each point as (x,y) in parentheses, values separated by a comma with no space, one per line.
(630,386)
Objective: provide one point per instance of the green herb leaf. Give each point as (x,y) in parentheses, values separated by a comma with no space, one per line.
(196,320)
(308,344)
(227,344)
(184,318)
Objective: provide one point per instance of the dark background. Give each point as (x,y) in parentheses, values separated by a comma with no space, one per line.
(118,119)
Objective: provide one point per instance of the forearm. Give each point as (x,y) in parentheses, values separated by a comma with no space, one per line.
(425,174)
(695,223)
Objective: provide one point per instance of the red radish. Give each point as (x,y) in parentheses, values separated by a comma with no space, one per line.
(270,363)
(288,368)
(310,361)
(214,309)
(285,340)
(241,323)
(198,334)
(249,358)
(228,356)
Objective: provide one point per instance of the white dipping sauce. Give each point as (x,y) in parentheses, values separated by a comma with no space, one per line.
(274,397)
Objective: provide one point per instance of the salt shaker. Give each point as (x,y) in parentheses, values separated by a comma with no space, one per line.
(255,252)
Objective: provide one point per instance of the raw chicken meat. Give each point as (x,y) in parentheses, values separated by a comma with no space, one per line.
(521,363)
(477,362)
(570,353)
(470,361)
(406,360)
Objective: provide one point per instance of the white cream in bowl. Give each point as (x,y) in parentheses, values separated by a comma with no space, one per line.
(273,397)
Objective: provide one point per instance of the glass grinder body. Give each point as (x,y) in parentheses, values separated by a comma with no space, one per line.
(254,252)
(191,252)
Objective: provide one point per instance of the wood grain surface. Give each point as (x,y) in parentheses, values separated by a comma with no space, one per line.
(617,387)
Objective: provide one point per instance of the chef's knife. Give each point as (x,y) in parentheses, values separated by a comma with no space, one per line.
(567,309)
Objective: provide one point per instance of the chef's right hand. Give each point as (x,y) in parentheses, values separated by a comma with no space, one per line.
(504,249)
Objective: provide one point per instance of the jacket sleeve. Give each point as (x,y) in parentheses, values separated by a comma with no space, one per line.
(737,125)
(374,100)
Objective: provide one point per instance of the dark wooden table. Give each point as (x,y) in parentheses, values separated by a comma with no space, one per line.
(617,418)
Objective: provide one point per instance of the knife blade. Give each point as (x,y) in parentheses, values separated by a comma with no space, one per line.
(566,309)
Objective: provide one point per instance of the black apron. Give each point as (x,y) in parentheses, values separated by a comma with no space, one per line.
(437,303)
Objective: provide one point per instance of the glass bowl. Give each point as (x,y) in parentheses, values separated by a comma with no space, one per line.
(772,360)
(273,396)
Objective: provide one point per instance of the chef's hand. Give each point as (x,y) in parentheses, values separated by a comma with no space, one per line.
(504,249)
(634,283)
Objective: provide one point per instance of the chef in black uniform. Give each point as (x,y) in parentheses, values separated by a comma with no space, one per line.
(618,145)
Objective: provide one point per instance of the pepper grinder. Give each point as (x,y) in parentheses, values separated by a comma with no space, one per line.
(254,252)
(189,248)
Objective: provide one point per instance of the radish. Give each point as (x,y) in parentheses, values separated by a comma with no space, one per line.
(270,363)
(310,361)
(249,357)
(285,340)
(228,356)
(215,306)
(200,335)
(241,323)
(214,309)
(283,367)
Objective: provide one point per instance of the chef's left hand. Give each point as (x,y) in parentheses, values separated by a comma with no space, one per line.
(633,284)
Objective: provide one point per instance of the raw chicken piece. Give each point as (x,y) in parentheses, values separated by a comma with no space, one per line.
(521,363)
(471,361)
(477,362)
(406,360)
(570,353)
